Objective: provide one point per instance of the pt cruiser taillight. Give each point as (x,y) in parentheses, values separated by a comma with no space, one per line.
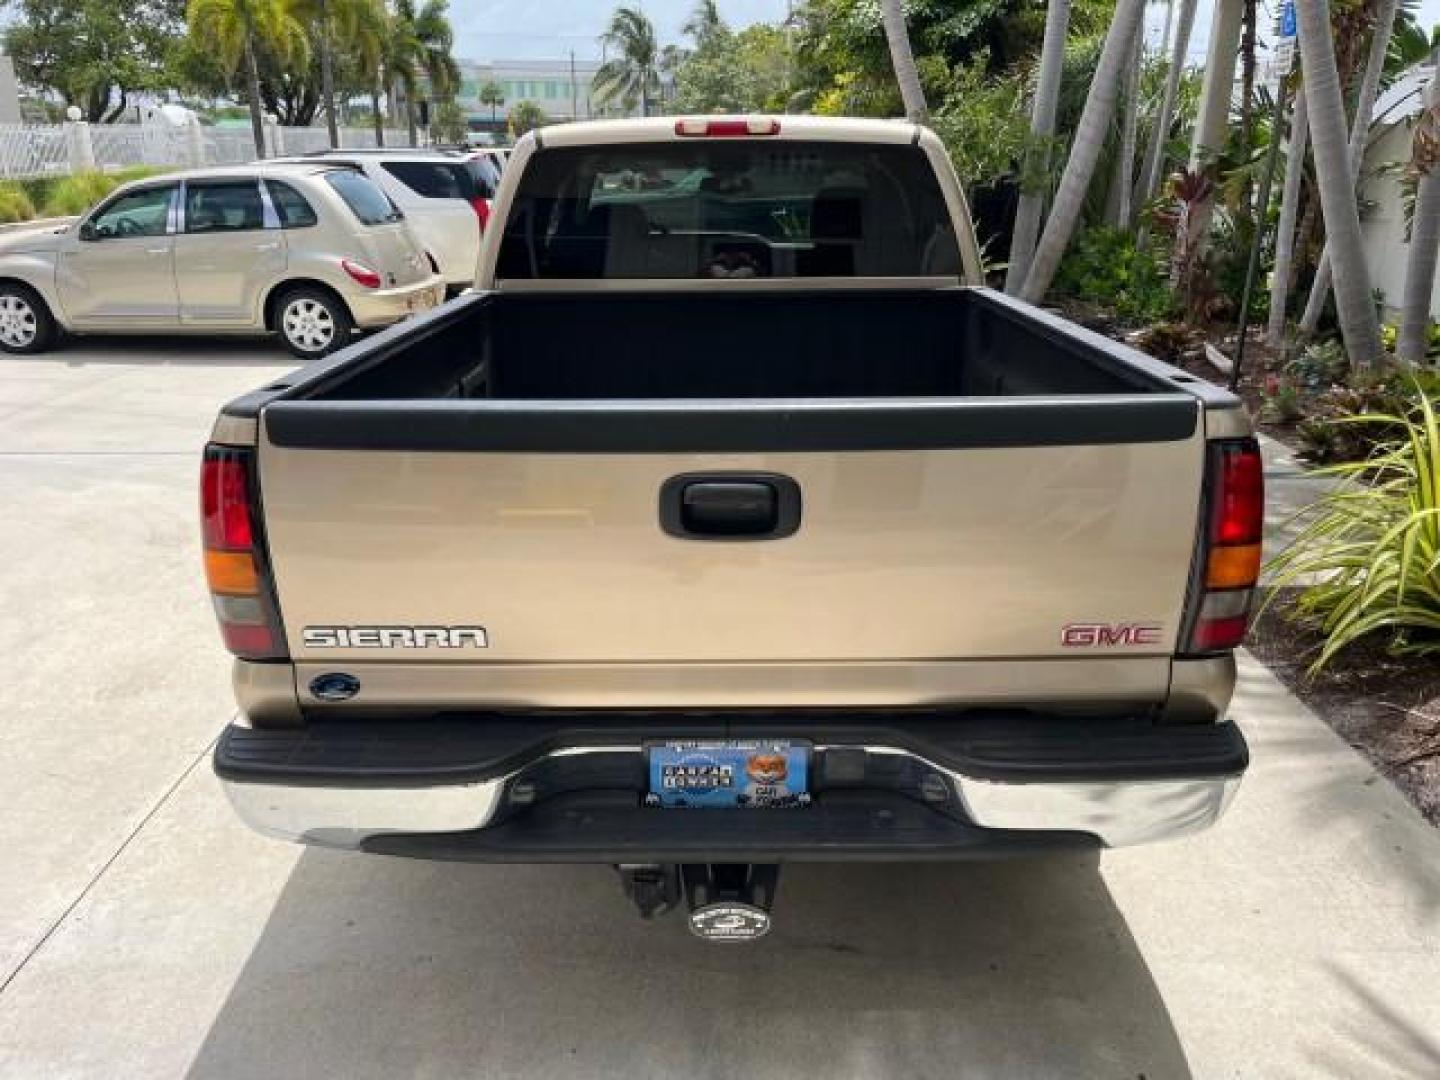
(1229,556)
(235,564)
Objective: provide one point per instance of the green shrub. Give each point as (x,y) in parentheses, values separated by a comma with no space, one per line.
(1322,364)
(1105,266)
(1371,550)
(78,192)
(15,205)
(1329,434)
(1280,400)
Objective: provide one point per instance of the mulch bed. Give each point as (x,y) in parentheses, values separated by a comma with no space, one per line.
(1385,706)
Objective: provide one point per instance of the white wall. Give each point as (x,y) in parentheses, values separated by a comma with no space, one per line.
(1383,225)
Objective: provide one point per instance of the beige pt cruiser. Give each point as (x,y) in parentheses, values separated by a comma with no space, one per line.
(306,251)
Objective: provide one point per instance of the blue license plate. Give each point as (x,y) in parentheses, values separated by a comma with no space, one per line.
(745,774)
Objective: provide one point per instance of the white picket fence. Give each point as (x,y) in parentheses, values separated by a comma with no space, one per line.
(56,149)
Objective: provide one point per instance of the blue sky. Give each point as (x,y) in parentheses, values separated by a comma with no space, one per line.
(549,29)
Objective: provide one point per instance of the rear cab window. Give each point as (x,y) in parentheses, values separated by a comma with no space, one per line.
(366,201)
(434,179)
(740,209)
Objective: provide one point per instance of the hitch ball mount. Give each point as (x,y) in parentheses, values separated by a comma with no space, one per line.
(726,901)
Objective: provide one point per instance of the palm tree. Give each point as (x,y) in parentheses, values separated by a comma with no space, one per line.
(1358,325)
(354,24)
(236,29)
(1118,202)
(1213,122)
(1424,233)
(421,41)
(1154,162)
(1359,132)
(633,76)
(1085,150)
(1037,156)
(492,94)
(704,24)
(1289,210)
(903,60)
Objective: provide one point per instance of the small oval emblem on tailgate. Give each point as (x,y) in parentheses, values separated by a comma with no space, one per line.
(334,686)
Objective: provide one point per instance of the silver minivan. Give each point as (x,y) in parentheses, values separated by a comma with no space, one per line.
(310,252)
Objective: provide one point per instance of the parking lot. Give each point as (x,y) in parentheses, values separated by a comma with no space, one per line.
(145,933)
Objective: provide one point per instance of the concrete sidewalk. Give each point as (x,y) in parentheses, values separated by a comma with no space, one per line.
(145,933)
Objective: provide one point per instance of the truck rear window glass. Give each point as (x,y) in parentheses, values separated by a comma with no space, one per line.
(366,201)
(729,210)
(434,179)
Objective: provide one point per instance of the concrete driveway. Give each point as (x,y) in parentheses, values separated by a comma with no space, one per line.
(144,933)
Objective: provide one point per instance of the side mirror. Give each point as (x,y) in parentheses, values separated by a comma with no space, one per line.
(87,230)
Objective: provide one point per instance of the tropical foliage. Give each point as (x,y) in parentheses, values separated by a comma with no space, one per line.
(1368,559)
(632,77)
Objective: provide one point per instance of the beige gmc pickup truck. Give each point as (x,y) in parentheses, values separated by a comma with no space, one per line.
(731,522)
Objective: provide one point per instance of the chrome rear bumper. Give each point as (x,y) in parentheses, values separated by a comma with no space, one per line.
(1125,809)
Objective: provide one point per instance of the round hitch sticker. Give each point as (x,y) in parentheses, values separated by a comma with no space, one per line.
(730,921)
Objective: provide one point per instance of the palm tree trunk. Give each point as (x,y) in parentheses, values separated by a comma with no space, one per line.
(1358,325)
(1424,238)
(1155,150)
(1359,133)
(1037,156)
(1085,150)
(375,112)
(1212,124)
(410,121)
(327,74)
(1247,91)
(903,59)
(1280,280)
(252,74)
(1117,208)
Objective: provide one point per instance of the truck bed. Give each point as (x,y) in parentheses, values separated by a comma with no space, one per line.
(609,345)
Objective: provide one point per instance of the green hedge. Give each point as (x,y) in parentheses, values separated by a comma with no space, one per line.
(63,196)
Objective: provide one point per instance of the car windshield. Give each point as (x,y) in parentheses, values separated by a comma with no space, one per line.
(366,201)
(729,210)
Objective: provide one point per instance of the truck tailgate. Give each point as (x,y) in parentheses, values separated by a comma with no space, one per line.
(974,547)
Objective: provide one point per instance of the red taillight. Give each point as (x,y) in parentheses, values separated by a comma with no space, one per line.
(482,210)
(1238,515)
(727,129)
(235,566)
(1230,552)
(225,503)
(361,273)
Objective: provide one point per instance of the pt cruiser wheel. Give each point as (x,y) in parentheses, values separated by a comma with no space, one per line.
(312,323)
(26,325)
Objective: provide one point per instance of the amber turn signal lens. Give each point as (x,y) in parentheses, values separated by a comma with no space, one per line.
(1235,567)
(231,572)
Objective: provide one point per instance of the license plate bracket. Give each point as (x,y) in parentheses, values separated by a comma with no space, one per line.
(740,774)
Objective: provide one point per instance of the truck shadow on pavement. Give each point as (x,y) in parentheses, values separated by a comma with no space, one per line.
(382,967)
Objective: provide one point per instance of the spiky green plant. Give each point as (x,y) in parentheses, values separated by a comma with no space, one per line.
(1369,554)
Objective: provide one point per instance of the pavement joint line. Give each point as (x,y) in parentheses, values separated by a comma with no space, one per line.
(104,868)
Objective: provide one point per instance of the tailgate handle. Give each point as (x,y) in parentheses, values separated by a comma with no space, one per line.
(730,506)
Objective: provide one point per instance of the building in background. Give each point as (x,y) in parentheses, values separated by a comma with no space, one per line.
(562,89)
